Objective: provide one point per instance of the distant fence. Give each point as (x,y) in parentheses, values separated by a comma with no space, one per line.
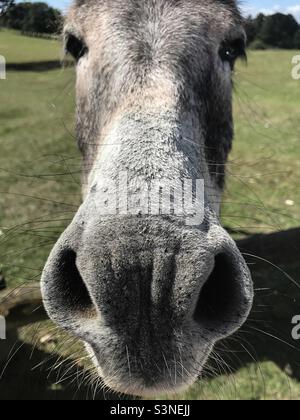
(42,36)
(53,37)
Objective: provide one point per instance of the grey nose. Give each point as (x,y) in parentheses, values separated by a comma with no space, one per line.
(158,277)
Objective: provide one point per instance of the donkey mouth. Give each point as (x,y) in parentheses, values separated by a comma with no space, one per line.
(150,307)
(168,369)
(162,360)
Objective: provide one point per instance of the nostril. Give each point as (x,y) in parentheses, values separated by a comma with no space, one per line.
(220,301)
(71,292)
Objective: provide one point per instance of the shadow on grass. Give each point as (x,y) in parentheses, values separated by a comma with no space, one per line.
(267,336)
(274,261)
(29,375)
(38,66)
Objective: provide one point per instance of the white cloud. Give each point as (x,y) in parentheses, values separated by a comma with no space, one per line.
(294,10)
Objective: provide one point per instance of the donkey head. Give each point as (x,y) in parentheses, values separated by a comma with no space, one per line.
(145,275)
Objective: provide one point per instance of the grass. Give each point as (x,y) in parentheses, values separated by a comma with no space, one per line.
(263,382)
(37,153)
(21,49)
(263,187)
(40,175)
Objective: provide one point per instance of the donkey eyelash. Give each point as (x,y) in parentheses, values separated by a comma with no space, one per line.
(75,46)
(230,51)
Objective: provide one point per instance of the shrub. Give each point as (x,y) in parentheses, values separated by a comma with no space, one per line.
(258,44)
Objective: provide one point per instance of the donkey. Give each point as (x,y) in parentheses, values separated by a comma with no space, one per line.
(151,293)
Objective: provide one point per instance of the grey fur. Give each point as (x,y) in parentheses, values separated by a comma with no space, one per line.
(153,99)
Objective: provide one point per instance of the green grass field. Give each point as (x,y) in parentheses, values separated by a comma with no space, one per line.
(40,174)
(17,49)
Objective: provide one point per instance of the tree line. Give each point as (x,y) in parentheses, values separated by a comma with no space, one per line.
(275,31)
(30,17)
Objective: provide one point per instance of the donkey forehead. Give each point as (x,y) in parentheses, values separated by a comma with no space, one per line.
(177,18)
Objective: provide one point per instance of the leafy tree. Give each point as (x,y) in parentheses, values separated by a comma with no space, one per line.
(250,29)
(33,17)
(42,18)
(15,15)
(258,23)
(279,30)
(297,39)
(5,5)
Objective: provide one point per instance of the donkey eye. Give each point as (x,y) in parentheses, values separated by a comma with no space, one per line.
(230,51)
(75,46)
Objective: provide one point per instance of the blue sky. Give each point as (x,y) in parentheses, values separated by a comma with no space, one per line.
(272,6)
(250,6)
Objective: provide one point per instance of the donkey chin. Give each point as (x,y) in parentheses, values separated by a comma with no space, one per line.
(149,307)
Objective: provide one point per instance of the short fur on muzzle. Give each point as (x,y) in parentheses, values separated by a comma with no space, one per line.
(150,297)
